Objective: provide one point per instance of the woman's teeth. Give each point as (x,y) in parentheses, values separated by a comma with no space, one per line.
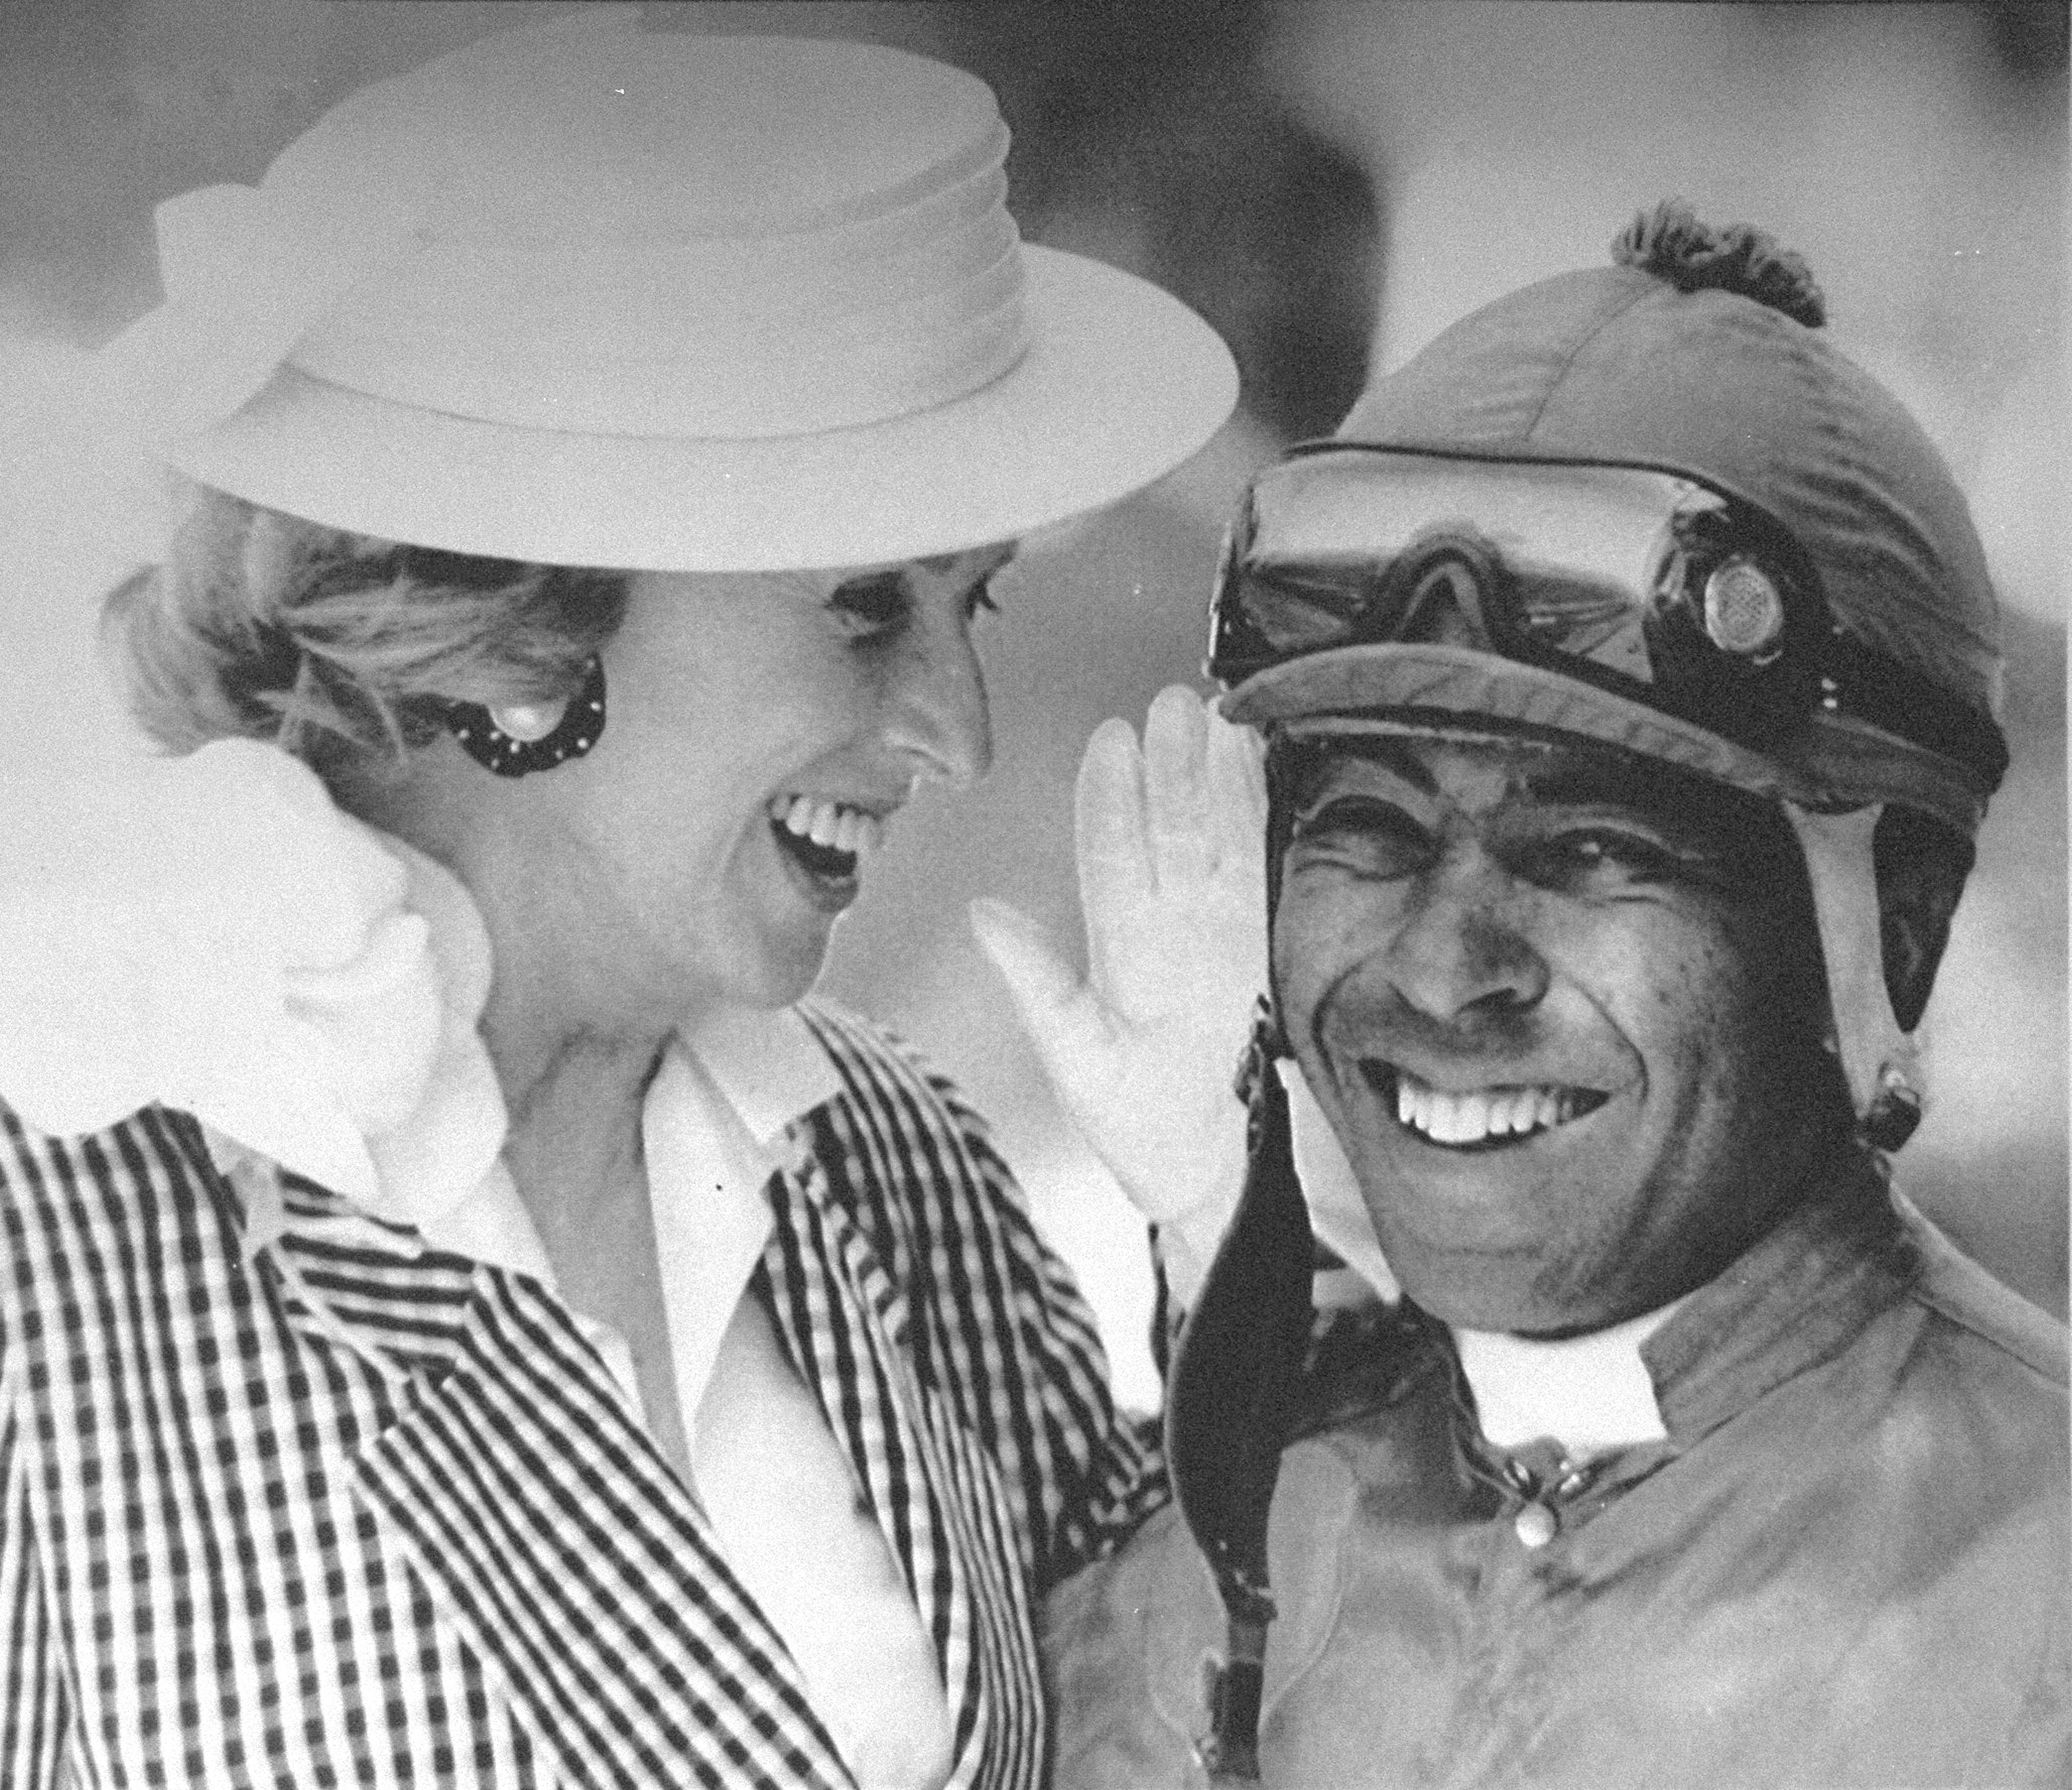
(833,826)
(1483,1113)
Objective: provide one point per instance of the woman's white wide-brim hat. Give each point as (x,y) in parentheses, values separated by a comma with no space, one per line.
(592,295)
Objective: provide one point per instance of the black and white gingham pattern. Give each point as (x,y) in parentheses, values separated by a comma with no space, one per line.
(331,1508)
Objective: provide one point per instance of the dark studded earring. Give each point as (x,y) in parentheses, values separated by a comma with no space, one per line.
(515,738)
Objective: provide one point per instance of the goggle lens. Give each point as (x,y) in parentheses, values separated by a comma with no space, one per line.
(1650,585)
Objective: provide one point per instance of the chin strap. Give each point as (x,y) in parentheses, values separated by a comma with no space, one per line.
(1234,1387)
(1881,1063)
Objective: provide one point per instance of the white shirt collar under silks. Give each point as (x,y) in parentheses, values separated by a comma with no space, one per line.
(1590,1393)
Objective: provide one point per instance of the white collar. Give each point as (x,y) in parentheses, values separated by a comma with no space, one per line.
(714,1114)
(1590,1393)
(767,1065)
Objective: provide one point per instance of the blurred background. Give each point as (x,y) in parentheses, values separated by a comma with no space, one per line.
(1330,184)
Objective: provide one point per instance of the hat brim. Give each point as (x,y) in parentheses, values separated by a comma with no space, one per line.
(1120,384)
(1426,688)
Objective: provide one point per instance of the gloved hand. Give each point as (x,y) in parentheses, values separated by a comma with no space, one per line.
(1142,1052)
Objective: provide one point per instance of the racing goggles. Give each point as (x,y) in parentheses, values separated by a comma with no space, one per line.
(1650,584)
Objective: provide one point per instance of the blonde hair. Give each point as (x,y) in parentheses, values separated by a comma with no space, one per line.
(338,646)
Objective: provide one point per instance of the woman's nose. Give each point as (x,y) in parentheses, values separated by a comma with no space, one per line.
(940,718)
(1463,955)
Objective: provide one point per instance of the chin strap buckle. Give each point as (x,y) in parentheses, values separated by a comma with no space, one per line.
(1895,1108)
(1232,1688)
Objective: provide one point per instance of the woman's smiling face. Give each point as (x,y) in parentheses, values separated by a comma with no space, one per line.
(1565,1024)
(761,731)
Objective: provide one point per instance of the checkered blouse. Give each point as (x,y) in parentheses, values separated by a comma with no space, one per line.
(331,1506)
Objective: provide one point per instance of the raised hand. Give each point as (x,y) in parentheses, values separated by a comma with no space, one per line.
(1142,1050)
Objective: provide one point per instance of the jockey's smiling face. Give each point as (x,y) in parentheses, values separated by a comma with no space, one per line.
(1563,1011)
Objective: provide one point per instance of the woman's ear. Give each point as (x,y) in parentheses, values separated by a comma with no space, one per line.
(1921,864)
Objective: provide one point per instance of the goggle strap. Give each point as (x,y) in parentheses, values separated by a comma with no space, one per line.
(1880,1062)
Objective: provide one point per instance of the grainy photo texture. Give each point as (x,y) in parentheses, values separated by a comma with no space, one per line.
(1146,892)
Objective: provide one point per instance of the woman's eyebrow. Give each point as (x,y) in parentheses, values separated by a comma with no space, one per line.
(944,562)
(894,577)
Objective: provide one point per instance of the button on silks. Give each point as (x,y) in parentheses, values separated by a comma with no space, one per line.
(1535,1524)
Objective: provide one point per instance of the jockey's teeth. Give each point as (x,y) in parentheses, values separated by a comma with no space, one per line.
(833,825)
(1467,1118)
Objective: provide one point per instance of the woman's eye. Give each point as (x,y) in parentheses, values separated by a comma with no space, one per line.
(867,608)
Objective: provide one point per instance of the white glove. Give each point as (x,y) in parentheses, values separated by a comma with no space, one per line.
(1143,1051)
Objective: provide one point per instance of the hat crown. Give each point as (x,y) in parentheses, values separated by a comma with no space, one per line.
(646,234)
(601,130)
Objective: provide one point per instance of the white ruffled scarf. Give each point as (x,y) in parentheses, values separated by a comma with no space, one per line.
(306,987)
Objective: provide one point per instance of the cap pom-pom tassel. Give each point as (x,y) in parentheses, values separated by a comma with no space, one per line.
(1669,243)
